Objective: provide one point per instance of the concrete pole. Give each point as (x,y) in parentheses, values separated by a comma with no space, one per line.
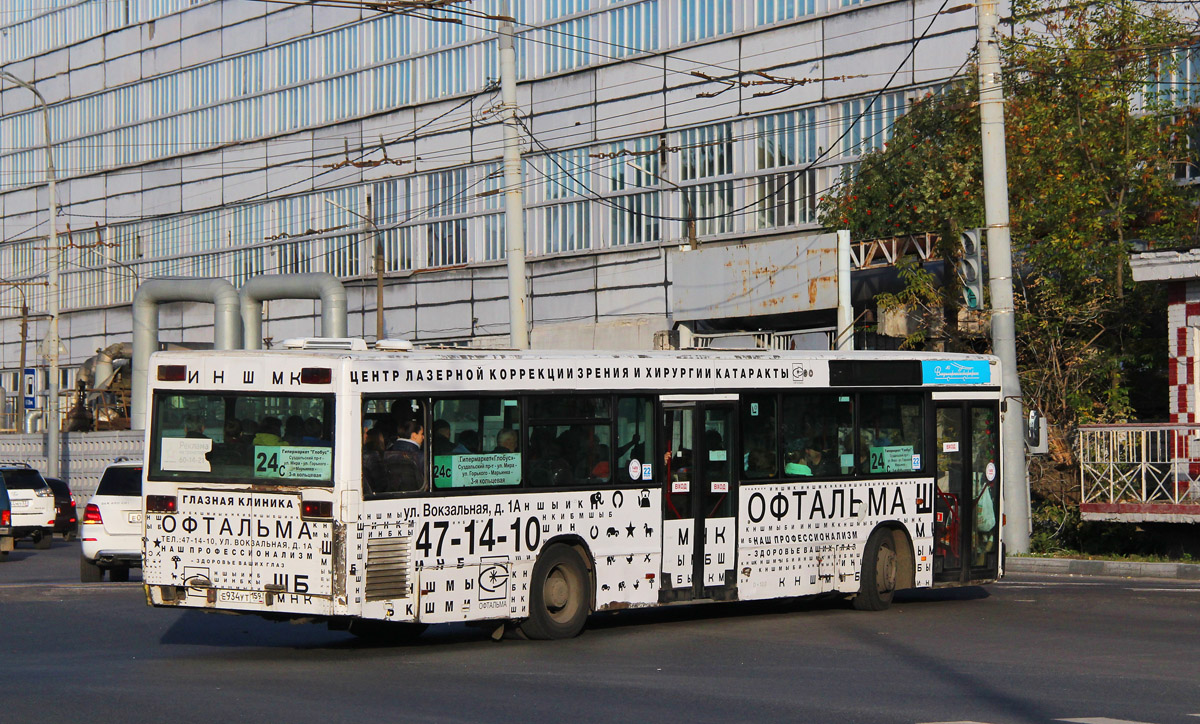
(53,426)
(379,327)
(999,248)
(845,308)
(514,219)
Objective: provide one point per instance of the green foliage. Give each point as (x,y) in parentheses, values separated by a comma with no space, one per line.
(1059,530)
(1090,172)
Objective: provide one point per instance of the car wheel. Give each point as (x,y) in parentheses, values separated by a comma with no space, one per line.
(879,572)
(559,595)
(41,539)
(89,572)
(118,574)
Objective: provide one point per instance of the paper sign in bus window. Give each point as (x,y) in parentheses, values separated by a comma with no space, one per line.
(293,462)
(892,459)
(185,454)
(477,471)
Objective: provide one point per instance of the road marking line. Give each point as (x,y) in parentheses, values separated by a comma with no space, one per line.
(1044,584)
(950,722)
(1102,720)
(1187,590)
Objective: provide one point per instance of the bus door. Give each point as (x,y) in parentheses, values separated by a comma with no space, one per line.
(700,484)
(967,507)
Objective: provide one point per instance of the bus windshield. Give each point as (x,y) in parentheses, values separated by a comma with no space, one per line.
(240,438)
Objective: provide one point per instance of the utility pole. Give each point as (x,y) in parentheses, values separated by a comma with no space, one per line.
(378,273)
(514,221)
(999,243)
(52,341)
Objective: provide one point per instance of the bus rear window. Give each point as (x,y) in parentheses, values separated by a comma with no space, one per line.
(242,438)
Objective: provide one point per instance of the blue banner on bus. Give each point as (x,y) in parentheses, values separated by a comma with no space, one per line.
(956,372)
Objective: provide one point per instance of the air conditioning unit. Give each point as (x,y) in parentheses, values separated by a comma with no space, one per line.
(326,343)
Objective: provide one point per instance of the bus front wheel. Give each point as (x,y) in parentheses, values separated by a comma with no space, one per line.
(879,572)
(559,595)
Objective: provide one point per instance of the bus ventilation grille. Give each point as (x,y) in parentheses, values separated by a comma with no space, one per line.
(387,568)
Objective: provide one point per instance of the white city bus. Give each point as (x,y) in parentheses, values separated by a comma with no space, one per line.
(550,485)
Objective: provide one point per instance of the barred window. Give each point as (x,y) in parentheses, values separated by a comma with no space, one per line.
(868,125)
(632,28)
(700,19)
(772,11)
(706,151)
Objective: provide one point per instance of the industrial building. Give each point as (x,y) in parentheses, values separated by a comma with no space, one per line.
(674,155)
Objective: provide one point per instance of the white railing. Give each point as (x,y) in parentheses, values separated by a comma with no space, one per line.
(1139,463)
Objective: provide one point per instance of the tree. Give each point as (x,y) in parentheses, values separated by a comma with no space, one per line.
(1093,144)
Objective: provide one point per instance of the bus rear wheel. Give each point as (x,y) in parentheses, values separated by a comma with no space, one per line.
(880,566)
(559,595)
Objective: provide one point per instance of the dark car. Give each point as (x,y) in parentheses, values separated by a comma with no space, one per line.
(66,520)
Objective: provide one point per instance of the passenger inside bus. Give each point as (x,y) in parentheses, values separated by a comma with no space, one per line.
(268,432)
(468,443)
(442,444)
(548,467)
(391,463)
(506,441)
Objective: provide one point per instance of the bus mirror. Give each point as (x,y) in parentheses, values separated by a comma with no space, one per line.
(1036,438)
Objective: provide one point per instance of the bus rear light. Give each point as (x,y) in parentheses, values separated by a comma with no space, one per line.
(172,373)
(310,509)
(316,376)
(160,504)
(91,514)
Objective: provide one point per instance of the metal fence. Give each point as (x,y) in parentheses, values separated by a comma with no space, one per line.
(84,455)
(1139,463)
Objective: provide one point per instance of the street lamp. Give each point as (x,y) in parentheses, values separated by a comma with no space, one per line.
(52,340)
(378,263)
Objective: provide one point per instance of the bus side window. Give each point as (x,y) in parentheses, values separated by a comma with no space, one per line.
(635,440)
(890,431)
(570,440)
(816,435)
(394,446)
(760,456)
(475,444)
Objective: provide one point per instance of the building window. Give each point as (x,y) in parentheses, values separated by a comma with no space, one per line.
(772,11)
(867,125)
(704,153)
(567,225)
(700,19)
(632,28)
(786,140)
(446,240)
(342,251)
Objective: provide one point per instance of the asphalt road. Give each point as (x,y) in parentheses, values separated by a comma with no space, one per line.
(1029,649)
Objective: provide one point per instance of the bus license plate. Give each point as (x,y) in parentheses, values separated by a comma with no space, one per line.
(241,597)
(135,517)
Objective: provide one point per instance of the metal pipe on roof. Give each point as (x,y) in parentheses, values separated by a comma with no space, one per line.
(325,287)
(227,325)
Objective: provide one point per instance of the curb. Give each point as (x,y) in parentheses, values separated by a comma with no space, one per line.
(1124,569)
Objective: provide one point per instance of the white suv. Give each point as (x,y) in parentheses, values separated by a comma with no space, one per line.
(32,501)
(111,529)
